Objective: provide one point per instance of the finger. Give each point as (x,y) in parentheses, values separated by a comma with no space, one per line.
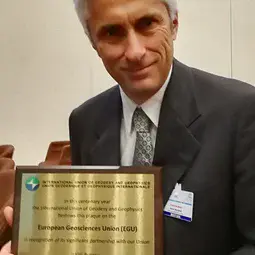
(8,213)
(6,249)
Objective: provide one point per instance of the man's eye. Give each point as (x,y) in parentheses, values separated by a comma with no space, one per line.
(114,31)
(145,23)
(111,31)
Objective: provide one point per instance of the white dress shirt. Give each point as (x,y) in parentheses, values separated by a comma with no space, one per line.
(128,134)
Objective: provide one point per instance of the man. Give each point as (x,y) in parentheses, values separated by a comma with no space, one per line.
(200,127)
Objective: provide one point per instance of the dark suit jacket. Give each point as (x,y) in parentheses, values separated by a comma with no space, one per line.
(205,140)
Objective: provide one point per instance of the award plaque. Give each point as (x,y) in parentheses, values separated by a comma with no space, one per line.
(88,211)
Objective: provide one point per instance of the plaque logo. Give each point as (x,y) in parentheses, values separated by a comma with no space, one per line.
(32,183)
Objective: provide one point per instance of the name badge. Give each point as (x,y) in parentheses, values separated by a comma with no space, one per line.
(180,204)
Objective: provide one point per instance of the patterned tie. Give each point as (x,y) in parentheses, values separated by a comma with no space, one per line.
(143,153)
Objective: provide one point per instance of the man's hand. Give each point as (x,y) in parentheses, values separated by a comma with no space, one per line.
(8,213)
(6,250)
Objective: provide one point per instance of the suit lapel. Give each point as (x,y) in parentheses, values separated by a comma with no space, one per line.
(106,150)
(176,147)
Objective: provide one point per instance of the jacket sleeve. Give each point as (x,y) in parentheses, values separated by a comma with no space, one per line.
(74,139)
(244,176)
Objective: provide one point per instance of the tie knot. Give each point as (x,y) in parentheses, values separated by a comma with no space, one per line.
(141,121)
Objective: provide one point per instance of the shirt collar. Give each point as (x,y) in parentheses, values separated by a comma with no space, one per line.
(151,107)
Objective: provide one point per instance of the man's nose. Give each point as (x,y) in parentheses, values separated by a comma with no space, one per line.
(135,49)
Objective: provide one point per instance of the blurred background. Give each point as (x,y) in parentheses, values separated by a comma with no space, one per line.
(48,67)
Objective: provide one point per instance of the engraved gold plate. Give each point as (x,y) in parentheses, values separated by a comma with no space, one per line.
(86,212)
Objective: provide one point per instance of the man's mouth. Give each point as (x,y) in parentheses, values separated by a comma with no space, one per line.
(140,72)
(138,69)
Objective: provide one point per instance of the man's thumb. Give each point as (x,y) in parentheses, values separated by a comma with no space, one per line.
(6,249)
(8,213)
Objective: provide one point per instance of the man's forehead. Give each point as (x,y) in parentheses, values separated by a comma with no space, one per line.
(94,4)
(114,8)
(103,13)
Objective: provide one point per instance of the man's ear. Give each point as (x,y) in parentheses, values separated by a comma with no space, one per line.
(96,49)
(94,45)
(175,26)
(92,41)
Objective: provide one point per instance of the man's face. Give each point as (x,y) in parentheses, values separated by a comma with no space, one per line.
(134,39)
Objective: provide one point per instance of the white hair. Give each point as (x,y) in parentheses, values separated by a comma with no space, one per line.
(81,7)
